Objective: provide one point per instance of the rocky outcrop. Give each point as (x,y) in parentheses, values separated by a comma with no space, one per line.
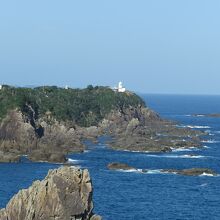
(186,172)
(65,193)
(15,134)
(141,129)
(119,166)
(192,171)
(20,135)
(212,115)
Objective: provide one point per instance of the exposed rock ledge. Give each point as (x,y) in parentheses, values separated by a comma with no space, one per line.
(64,194)
(119,166)
(192,172)
(212,115)
(186,172)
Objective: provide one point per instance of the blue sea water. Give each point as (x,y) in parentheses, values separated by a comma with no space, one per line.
(133,195)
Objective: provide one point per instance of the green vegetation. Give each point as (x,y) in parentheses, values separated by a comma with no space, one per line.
(85,107)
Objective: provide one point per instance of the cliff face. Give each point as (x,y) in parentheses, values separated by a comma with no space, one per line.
(18,136)
(65,193)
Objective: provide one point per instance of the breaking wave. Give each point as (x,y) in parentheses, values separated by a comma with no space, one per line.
(210,141)
(184,149)
(177,156)
(197,126)
(73,161)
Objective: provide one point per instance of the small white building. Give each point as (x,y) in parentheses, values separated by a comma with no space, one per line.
(66,87)
(0,87)
(120,88)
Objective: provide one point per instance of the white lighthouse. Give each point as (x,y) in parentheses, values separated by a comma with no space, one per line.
(0,87)
(120,87)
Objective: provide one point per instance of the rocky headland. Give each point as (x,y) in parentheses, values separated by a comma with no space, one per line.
(64,194)
(47,123)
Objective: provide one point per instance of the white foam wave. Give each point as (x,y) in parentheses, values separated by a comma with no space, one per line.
(128,171)
(204,184)
(191,156)
(206,174)
(177,156)
(73,161)
(211,134)
(197,126)
(183,149)
(209,141)
(76,166)
(131,171)
(199,115)
(193,126)
(153,172)
(143,171)
(136,151)
(206,147)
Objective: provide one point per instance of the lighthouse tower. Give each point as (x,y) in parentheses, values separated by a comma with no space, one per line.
(120,87)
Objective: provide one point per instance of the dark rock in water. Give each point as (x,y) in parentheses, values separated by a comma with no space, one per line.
(215,115)
(119,166)
(192,171)
(144,170)
(212,115)
(65,193)
(187,172)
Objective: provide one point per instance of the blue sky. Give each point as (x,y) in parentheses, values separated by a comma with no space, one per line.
(153,46)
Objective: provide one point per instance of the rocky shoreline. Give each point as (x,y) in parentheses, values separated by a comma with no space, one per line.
(132,129)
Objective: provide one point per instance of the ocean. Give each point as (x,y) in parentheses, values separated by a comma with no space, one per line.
(133,195)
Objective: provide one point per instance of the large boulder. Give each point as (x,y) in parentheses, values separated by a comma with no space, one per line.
(65,194)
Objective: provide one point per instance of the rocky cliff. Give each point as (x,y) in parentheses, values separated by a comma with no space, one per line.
(141,129)
(65,194)
(47,123)
(18,137)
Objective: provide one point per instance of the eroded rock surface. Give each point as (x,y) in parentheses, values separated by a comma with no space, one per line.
(45,141)
(141,129)
(64,194)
